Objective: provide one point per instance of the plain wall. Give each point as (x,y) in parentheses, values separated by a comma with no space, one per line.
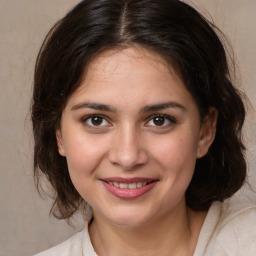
(25,226)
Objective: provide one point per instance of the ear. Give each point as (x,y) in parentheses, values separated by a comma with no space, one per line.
(207,132)
(60,143)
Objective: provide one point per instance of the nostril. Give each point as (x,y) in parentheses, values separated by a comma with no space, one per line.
(127,150)
(128,160)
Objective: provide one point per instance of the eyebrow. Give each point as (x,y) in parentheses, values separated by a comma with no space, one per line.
(161,106)
(96,106)
(147,108)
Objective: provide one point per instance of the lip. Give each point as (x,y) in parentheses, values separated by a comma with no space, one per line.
(126,193)
(128,180)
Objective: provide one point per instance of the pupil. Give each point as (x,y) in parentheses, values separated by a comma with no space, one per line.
(159,120)
(97,120)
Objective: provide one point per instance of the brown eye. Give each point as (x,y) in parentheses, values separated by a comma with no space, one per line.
(159,120)
(96,120)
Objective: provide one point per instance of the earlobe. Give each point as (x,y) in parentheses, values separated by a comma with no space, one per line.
(207,132)
(60,143)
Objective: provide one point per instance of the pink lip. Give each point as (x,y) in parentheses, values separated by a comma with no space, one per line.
(127,180)
(126,193)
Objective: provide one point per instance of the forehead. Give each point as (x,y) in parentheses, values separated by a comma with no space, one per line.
(131,75)
(113,61)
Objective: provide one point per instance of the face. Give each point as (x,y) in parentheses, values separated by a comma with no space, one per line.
(131,134)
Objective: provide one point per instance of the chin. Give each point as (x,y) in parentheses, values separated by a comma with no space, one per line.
(130,217)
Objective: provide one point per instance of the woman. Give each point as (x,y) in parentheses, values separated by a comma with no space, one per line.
(135,117)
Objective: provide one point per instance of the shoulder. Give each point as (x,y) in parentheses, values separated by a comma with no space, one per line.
(235,232)
(72,246)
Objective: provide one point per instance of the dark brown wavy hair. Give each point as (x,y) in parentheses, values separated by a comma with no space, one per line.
(179,34)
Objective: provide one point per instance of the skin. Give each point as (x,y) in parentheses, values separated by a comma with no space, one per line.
(127,141)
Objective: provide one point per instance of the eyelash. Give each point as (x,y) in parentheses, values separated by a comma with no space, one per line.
(85,120)
(168,118)
(103,118)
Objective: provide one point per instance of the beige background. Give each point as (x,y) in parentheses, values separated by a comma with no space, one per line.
(25,227)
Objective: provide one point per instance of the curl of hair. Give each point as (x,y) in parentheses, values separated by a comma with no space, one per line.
(184,39)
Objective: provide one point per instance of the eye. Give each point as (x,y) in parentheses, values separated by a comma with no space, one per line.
(161,121)
(96,121)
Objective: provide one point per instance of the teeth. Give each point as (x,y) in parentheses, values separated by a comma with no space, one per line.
(123,185)
(133,185)
(139,184)
(116,184)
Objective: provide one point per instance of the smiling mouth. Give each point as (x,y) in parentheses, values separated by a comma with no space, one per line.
(132,185)
(128,188)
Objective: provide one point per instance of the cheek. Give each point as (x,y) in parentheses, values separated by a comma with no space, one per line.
(176,149)
(176,156)
(83,155)
(176,153)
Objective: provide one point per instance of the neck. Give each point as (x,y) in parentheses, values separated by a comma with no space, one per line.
(175,233)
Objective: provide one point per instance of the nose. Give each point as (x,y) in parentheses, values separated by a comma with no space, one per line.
(127,150)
